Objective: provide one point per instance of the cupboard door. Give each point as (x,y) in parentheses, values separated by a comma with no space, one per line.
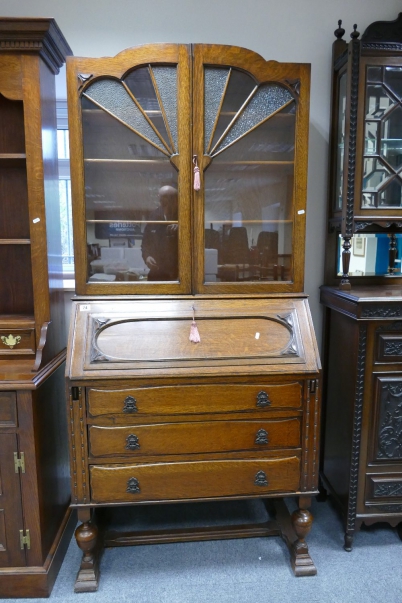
(11,522)
(250,136)
(131,171)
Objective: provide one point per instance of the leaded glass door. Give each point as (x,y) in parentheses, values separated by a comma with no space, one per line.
(133,136)
(251,204)
(136,140)
(381,185)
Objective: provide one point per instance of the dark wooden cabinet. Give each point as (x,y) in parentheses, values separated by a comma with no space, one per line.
(363,276)
(362,451)
(188,179)
(35,522)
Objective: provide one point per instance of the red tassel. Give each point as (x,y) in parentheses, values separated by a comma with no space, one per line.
(197,183)
(194,334)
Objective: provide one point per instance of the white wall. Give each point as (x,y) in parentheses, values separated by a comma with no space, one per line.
(283,30)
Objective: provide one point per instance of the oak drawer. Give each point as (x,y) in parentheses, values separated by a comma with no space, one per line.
(17,341)
(190,480)
(190,399)
(189,438)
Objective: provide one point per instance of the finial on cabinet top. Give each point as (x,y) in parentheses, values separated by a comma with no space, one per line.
(340,32)
(355,34)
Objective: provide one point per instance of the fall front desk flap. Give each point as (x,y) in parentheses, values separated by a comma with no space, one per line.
(158,337)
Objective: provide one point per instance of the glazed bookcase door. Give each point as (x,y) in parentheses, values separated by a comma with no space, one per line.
(250,144)
(129,132)
(378,192)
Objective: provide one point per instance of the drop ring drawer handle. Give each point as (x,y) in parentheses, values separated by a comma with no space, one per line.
(133,486)
(263,399)
(260,479)
(132,442)
(261,437)
(130,404)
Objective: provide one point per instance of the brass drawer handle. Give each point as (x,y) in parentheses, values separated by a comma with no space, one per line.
(132,442)
(261,437)
(263,399)
(130,404)
(260,479)
(133,486)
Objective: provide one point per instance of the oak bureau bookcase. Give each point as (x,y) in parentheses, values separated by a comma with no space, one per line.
(362,451)
(36,523)
(193,372)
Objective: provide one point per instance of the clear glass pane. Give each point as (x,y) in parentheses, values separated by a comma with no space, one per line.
(239,89)
(391,196)
(370,141)
(130,214)
(378,101)
(249,206)
(214,85)
(340,142)
(370,255)
(374,175)
(369,200)
(391,143)
(113,97)
(141,85)
(393,79)
(268,99)
(374,74)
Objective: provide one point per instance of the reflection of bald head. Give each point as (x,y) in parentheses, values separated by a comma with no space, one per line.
(168,201)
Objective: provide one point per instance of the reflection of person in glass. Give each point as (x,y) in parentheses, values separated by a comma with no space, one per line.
(159,241)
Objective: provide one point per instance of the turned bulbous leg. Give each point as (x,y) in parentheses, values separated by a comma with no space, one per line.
(302,521)
(86,536)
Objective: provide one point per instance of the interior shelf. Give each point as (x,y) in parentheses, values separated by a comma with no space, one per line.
(15,241)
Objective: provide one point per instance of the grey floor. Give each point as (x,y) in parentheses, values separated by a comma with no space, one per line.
(246,570)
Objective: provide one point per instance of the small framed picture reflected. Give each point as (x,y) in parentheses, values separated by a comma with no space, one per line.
(359,245)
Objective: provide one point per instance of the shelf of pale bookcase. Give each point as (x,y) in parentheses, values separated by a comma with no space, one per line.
(12,159)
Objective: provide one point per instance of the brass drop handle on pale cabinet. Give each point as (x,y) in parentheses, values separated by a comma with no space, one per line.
(132,442)
(130,404)
(133,486)
(263,399)
(261,437)
(261,479)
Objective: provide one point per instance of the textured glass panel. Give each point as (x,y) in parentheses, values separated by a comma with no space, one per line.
(370,142)
(374,74)
(391,143)
(374,175)
(391,196)
(273,140)
(377,101)
(393,79)
(268,99)
(166,80)
(141,85)
(112,95)
(214,86)
(239,89)
(340,142)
